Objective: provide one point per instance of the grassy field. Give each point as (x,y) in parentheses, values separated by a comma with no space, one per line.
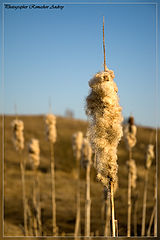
(65,179)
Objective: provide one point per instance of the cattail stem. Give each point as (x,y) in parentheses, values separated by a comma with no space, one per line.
(129,205)
(151,221)
(88,202)
(129,198)
(105,67)
(107,217)
(155,221)
(30,218)
(135,218)
(22,167)
(53,191)
(144,203)
(155,205)
(38,205)
(35,224)
(77,224)
(112,207)
(116,227)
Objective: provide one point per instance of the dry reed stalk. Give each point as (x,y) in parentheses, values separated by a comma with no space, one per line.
(34,157)
(107,227)
(151,221)
(86,153)
(50,122)
(18,140)
(129,206)
(77,145)
(135,212)
(149,158)
(105,130)
(54,225)
(132,176)
(155,219)
(153,215)
(112,207)
(130,139)
(135,218)
(116,227)
(30,218)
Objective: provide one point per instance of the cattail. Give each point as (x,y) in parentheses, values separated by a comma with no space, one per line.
(86,153)
(86,157)
(130,133)
(50,122)
(105,130)
(77,140)
(18,138)
(149,159)
(34,157)
(133,171)
(149,155)
(34,152)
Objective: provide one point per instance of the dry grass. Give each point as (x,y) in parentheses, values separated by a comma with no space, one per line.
(65,179)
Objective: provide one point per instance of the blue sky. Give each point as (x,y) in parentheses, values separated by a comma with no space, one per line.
(54,53)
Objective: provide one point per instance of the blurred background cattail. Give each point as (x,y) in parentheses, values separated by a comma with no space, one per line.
(50,122)
(34,153)
(18,140)
(133,171)
(149,155)
(86,153)
(77,140)
(51,133)
(34,158)
(130,131)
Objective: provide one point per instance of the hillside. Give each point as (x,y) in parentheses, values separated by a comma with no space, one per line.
(65,179)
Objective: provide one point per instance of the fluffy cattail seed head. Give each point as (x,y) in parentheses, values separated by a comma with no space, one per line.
(51,133)
(18,138)
(133,170)
(34,153)
(130,131)
(77,140)
(105,130)
(86,153)
(149,155)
